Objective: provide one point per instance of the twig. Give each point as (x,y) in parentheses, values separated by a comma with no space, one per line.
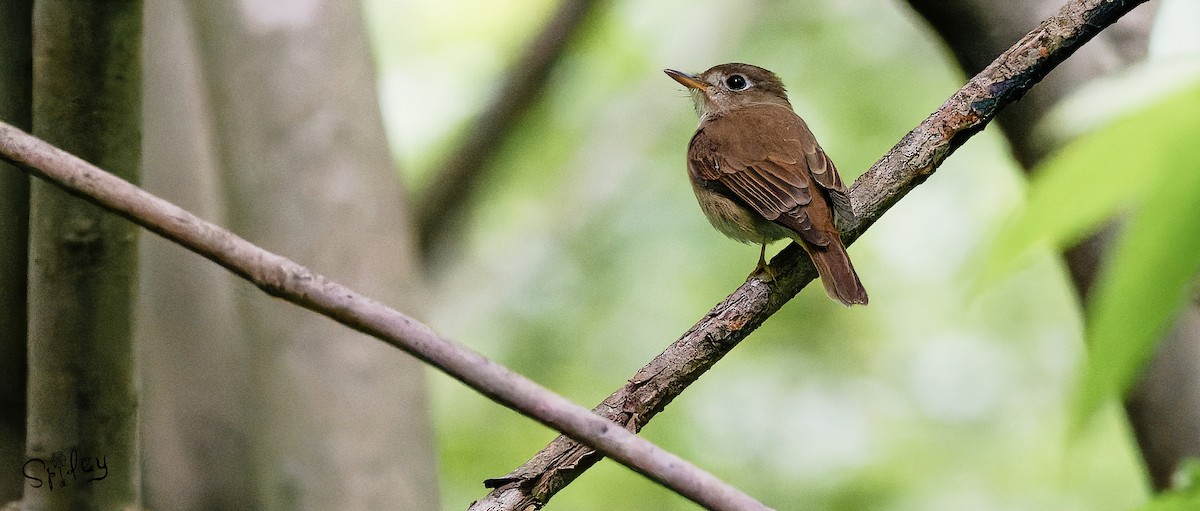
(442,203)
(904,167)
(283,278)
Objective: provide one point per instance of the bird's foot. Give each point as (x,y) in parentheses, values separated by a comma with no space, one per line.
(762,270)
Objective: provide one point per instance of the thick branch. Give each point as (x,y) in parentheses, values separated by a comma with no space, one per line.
(905,166)
(283,278)
(442,203)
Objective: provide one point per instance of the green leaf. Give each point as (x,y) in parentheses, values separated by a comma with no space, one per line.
(1154,262)
(1080,187)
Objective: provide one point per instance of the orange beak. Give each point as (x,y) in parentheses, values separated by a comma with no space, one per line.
(688,80)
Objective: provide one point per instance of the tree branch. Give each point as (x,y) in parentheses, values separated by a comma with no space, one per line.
(441,204)
(905,166)
(284,278)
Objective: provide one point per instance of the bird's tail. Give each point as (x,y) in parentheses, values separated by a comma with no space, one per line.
(837,273)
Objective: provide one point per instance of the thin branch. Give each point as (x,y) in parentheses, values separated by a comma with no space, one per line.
(442,203)
(905,166)
(283,278)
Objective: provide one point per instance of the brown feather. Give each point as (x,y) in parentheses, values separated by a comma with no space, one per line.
(753,168)
(837,274)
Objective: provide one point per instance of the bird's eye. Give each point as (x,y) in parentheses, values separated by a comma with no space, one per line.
(737,82)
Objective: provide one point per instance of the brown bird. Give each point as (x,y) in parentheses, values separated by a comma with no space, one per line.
(760,175)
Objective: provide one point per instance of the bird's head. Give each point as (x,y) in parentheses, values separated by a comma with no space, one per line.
(730,86)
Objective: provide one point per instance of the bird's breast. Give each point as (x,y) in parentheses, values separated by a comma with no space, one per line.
(733,219)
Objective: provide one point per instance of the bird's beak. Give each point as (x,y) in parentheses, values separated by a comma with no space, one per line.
(688,80)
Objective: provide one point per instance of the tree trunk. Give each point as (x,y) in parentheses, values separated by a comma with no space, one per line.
(82,422)
(196,428)
(16,94)
(341,420)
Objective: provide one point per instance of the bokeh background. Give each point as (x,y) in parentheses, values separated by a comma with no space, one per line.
(586,255)
(322,130)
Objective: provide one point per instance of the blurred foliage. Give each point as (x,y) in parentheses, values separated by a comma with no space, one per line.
(1184,494)
(1145,167)
(588,255)
(1151,271)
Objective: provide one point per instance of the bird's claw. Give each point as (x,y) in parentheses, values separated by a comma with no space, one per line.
(762,270)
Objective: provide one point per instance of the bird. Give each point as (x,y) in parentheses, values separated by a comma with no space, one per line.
(760,175)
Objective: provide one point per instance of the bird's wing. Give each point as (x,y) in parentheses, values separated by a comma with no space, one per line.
(825,174)
(771,172)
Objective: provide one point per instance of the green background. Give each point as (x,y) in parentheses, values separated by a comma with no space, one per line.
(587,254)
